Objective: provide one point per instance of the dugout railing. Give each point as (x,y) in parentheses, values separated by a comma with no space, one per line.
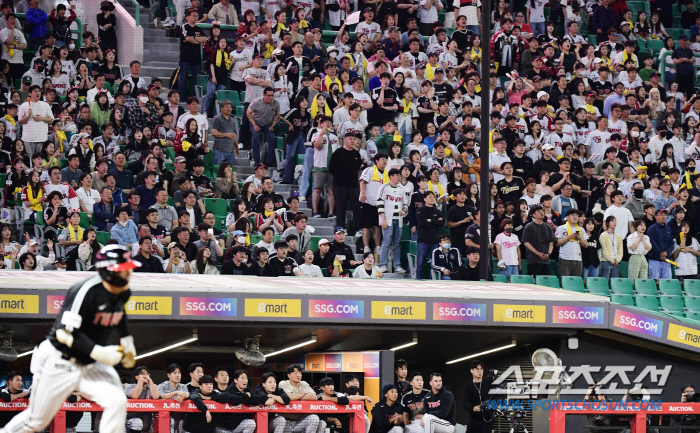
(351,415)
(637,417)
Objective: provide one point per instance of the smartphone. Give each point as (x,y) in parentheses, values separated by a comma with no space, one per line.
(211,231)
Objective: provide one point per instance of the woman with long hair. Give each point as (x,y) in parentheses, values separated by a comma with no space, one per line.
(668,155)
(226,182)
(367,270)
(6,240)
(250,198)
(55,215)
(202,263)
(472,195)
(32,197)
(218,64)
(590,253)
(27,262)
(238,211)
(283,88)
(212,42)
(88,249)
(50,155)
(18,150)
(136,146)
(110,69)
(334,101)
(549,36)
(60,81)
(656,28)
(689,129)
(534,141)
(308,269)
(605,201)
(543,187)
(15,182)
(100,109)
(669,45)
(430,135)
(268,217)
(189,144)
(82,80)
(395,160)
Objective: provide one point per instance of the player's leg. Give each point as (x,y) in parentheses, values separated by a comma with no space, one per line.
(276,425)
(433,424)
(246,426)
(414,427)
(368,423)
(396,429)
(100,384)
(54,380)
(321,426)
(306,424)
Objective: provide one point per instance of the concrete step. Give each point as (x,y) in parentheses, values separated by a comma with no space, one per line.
(164,58)
(162,45)
(155,36)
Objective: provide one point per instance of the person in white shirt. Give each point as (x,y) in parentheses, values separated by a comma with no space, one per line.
(308,269)
(622,215)
(428,15)
(570,239)
(686,250)
(508,249)
(598,140)
(498,157)
(391,206)
(638,245)
(35,116)
(14,39)
(369,28)
(367,269)
(201,119)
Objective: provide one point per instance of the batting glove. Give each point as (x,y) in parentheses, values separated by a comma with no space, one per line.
(108,355)
(127,344)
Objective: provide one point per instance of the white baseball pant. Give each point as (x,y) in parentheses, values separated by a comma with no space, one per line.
(307,424)
(246,426)
(433,424)
(276,425)
(56,378)
(414,427)
(367,424)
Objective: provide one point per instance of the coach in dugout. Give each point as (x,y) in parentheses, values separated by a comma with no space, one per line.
(475,394)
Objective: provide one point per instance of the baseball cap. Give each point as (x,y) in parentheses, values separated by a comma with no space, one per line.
(172,245)
(365,10)
(439,71)
(39,61)
(624,23)
(683,38)
(180,159)
(277,52)
(548,146)
(645,138)
(536,78)
(60,261)
(339,229)
(294,20)
(260,165)
(258,56)
(323,242)
(541,94)
(27,80)
(660,211)
(591,93)
(597,60)
(153,86)
(238,232)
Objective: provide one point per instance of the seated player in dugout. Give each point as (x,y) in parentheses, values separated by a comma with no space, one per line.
(352,388)
(202,421)
(387,415)
(327,388)
(228,422)
(268,393)
(412,403)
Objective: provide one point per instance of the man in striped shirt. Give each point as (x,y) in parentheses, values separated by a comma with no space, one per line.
(391,206)
(371,181)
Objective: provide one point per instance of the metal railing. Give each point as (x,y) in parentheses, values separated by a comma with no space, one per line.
(662,66)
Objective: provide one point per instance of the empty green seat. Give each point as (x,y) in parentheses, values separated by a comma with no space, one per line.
(692,303)
(645,287)
(647,302)
(695,315)
(671,304)
(573,284)
(547,281)
(500,278)
(217,206)
(598,286)
(622,299)
(621,286)
(691,287)
(670,287)
(229,95)
(521,279)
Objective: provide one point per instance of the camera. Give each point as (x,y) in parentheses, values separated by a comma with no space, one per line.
(692,397)
(601,421)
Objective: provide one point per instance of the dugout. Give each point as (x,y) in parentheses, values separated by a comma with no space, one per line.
(334,322)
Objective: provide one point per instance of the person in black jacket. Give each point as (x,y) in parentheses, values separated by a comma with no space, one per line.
(237,392)
(470,271)
(339,248)
(476,393)
(148,262)
(202,422)
(281,265)
(267,393)
(387,415)
(440,408)
(327,387)
(429,219)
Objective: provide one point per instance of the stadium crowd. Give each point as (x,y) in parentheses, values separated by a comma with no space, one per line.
(592,152)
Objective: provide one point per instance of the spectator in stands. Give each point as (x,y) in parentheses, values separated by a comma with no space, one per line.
(263,114)
(571,240)
(149,263)
(124,231)
(280,265)
(15,43)
(223,128)
(35,116)
(203,264)
(429,220)
(539,239)
(177,263)
(37,18)
(190,55)
(299,229)
(661,238)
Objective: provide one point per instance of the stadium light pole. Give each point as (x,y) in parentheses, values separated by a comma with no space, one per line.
(484,150)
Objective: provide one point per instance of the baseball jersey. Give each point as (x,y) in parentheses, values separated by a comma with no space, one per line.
(90,313)
(619,127)
(244,57)
(597,142)
(349,127)
(370,29)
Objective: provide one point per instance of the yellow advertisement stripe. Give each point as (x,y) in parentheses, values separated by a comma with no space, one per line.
(19,304)
(258,307)
(398,310)
(519,313)
(150,305)
(684,335)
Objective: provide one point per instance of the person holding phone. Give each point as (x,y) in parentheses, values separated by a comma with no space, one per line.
(207,239)
(177,263)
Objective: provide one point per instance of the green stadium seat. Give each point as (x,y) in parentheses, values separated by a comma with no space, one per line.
(598,286)
(645,287)
(239,112)
(547,281)
(103,237)
(521,279)
(695,315)
(169,153)
(218,206)
(622,299)
(670,287)
(500,278)
(621,286)
(624,268)
(647,302)
(655,45)
(573,284)
(231,95)
(84,220)
(209,159)
(691,287)
(3,180)
(692,303)
(671,304)
(300,159)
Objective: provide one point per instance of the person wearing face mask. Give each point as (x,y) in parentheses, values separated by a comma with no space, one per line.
(445,258)
(37,72)
(637,202)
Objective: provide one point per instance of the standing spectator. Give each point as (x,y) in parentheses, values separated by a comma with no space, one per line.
(37,18)
(223,128)
(603,19)
(36,116)
(392,207)
(344,165)
(686,249)
(459,217)
(611,249)
(661,238)
(263,114)
(14,45)
(429,15)
(190,54)
(224,12)
(256,80)
(622,215)
(430,220)
(507,249)
(371,181)
(61,23)
(539,239)
(684,60)
(571,239)
(106,21)
(638,245)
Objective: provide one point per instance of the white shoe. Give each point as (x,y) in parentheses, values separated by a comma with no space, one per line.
(302,198)
(399,270)
(368,250)
(377,250)
(382,269)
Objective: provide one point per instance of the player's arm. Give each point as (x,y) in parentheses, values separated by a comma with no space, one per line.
(197,400)
(221,397)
